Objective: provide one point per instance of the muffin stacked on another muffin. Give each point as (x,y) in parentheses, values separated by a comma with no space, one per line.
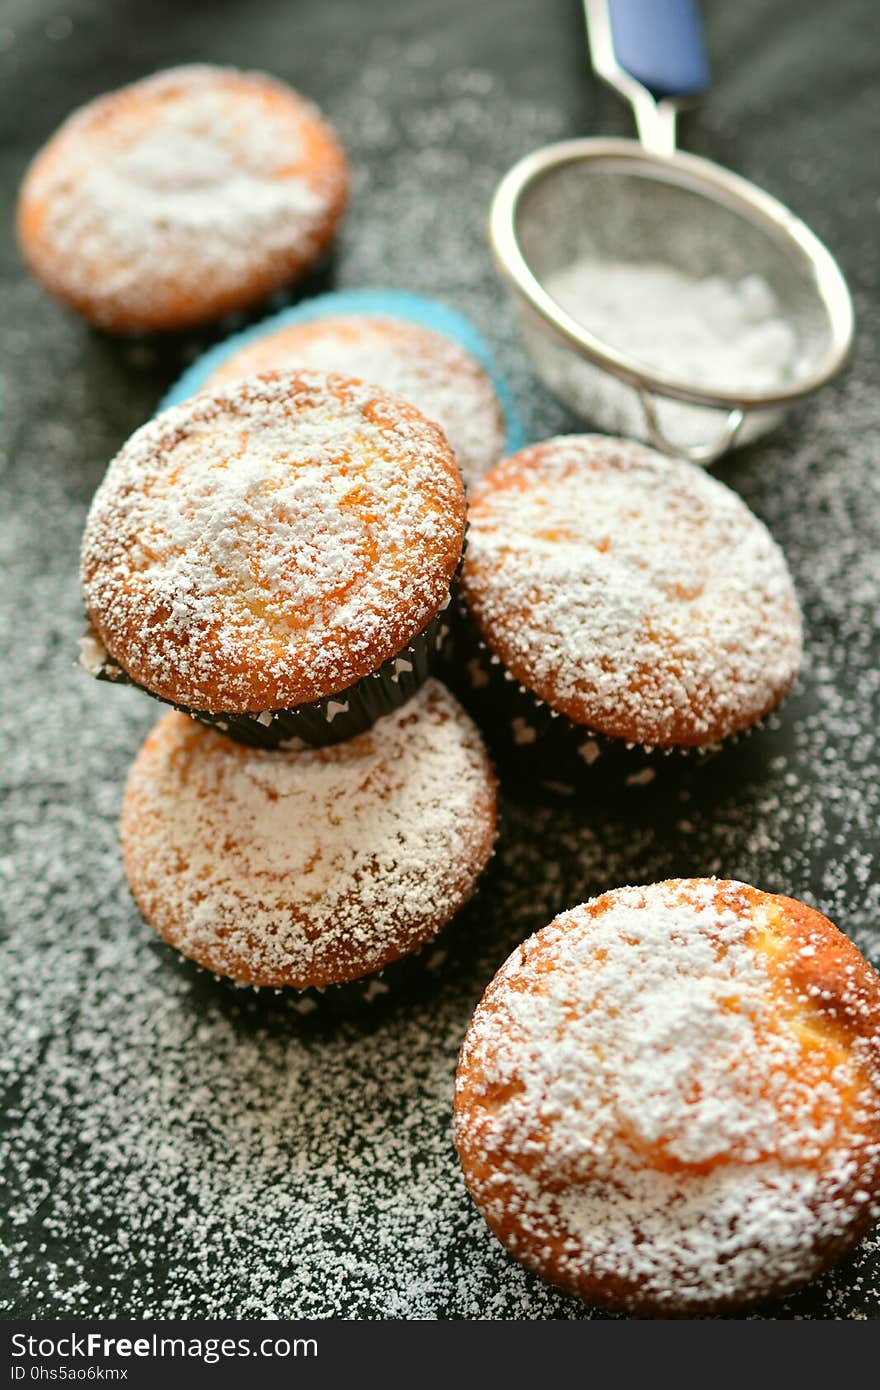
(276,556)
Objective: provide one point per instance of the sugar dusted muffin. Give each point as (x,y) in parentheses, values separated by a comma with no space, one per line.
(181,197)
(668,1100)
(313,867)
(273,545)
(633,594)
(422,366)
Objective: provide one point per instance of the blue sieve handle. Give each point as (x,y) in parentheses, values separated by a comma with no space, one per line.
(660,43)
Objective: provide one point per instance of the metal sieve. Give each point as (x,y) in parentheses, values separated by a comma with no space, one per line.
(628,201)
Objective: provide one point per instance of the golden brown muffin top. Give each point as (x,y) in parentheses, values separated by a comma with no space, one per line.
(669,1098)
(272,543)
(633,592)
(180,196)
(312,867)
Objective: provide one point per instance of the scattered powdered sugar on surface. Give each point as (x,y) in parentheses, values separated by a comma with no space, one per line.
(423,367)
(193,182)
(272,542)
(633,591)
(637,1093)
(297,867)
(174,1146)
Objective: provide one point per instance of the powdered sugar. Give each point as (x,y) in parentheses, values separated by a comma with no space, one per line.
(633,592)
(186,185)
(638,1090)
(316,866)
(721,1236)
(714,333)
(272,543)
(423,367)
(711,334)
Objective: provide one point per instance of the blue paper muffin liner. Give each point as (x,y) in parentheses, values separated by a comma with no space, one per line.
(390,303)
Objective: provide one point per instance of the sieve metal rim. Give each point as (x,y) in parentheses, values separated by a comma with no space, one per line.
(706,179)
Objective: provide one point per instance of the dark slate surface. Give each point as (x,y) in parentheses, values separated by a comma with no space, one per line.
(174,1146)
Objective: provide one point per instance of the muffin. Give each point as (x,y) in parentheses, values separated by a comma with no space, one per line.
(422,366)
(181,197)
(276,556)
(668,1100)
(630,593)
(309,868)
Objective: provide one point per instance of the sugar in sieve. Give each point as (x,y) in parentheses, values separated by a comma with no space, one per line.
(622,208)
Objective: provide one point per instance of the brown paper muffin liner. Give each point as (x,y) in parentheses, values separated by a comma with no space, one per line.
(334,718)
(417,974)
(537,745)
